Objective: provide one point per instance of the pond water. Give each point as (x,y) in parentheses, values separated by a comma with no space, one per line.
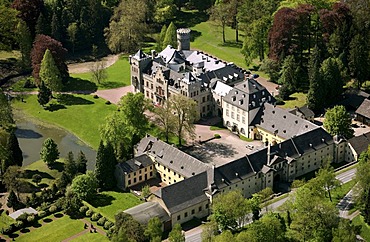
(32,134)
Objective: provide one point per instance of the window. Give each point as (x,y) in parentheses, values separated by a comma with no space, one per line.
(129,182)
(151,86)
(178,217)
(140,178)
(200,208)
(135,180)
(203,99)
(186,214)
(204,109)
(129,175)
(232,114)
(139,171)
(151,173)
(134,173)
(207,206)
(243,120)
(208,97)
(237,117)
(145,169)
(227,112)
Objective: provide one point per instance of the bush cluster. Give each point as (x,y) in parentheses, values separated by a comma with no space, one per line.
(95,217)
(89,213)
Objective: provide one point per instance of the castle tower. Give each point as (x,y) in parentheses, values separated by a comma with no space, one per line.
(183,39)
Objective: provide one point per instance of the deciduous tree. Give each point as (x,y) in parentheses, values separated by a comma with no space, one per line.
(338,122)
(326,178)
(133,229)
(363,185)
(99,73)
(154,229)
(8,20)
(85,186)
(176,234)
(49,152)
(186,113)
(28,11)
(165,118)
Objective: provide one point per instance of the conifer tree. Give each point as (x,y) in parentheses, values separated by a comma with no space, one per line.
(15,152)
(55,27)
(49,152)
(44,96)
(316,95)
(81,163)
(162,35)
(105,166)
(49,73)
(171,36)
(12,200)
(42,26)
(25,43)
(70,166)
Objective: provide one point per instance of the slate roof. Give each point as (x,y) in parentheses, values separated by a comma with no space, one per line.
(171,157)
(364,109)
(255,162)
(145,211)
(210,63)
(140,55)
(353,98)
(136,163)
(220,88)
(248,95)
(171,55)
(226,74)
(19,212)
(183,194)
(303,110)
(281,122)
(360,143)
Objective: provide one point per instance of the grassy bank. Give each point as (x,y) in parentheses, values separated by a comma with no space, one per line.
(365,228)
(79,114)
(118,76)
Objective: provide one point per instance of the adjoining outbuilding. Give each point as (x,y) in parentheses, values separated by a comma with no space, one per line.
(19,212)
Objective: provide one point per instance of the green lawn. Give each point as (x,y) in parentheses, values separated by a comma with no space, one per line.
(9,54)
(118,76)
(365,229)
(91,237)
(79,114)
(297,99)
(338,193)
(57,230)
(207,36)
(5,220)
(48,175)
(110,203)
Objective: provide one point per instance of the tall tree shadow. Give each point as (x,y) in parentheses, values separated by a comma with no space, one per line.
(69,100)
(27,134)
(29,173)
(188,19)
(102,200)
(55,107)
(78,84)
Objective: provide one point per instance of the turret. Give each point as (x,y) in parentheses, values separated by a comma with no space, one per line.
(183,39)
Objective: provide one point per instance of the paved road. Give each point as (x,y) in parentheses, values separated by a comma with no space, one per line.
(194,235)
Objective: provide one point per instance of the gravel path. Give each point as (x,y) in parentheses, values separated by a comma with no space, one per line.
(85,67)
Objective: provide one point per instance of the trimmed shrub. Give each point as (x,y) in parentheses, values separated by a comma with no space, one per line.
(8,229)
(53,209)
(101,221)
(89,213)
(96,96)
(108,225)
(42,214)
(23,217)
(217,136)
(83,209)
(108,102)
(95,217)
(19,224)
(31,218)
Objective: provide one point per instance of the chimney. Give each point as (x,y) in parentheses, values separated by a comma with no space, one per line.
(153,54)
(268,154)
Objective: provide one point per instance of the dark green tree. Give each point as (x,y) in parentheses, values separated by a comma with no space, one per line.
(288,76)
(8,19)
(6,116)
(161,37)
(56,28)
(133,229)
(42,25)
(71,204)
(105,166)
(338,122)
(359,59)
(85,186)
(24,40)
(326,178)
(331,75)
(63,181)
(81,163)
(176,234)
(70,167)
(12,201)
(49,152)
(171,36)
(346,231)
(44,96)
(316,92)
(14,151)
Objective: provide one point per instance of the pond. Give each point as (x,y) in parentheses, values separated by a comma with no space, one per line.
(31,134)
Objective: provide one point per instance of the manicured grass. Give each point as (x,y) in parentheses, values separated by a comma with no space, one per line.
(269,202)
(80,114)
(112,202)
(19,86)
(118,76)
(245,138)
(297,99)
(91,237)
(48,175)
(158,132)
(9,54)
(57,230)
(5,220)
(218,126)
(365,228)
(207,36)
(338,193)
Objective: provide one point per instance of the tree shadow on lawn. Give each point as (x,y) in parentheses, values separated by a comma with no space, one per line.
(28,174)
(78,84)
(102,200)
(69,100)
(110,85)
(47,220)
(232,44)
(36,225)
(189,19)
(13,236)
(59,166)
(55,107)
(25,230)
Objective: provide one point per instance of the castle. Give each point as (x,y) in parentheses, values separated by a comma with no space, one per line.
(294,146)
